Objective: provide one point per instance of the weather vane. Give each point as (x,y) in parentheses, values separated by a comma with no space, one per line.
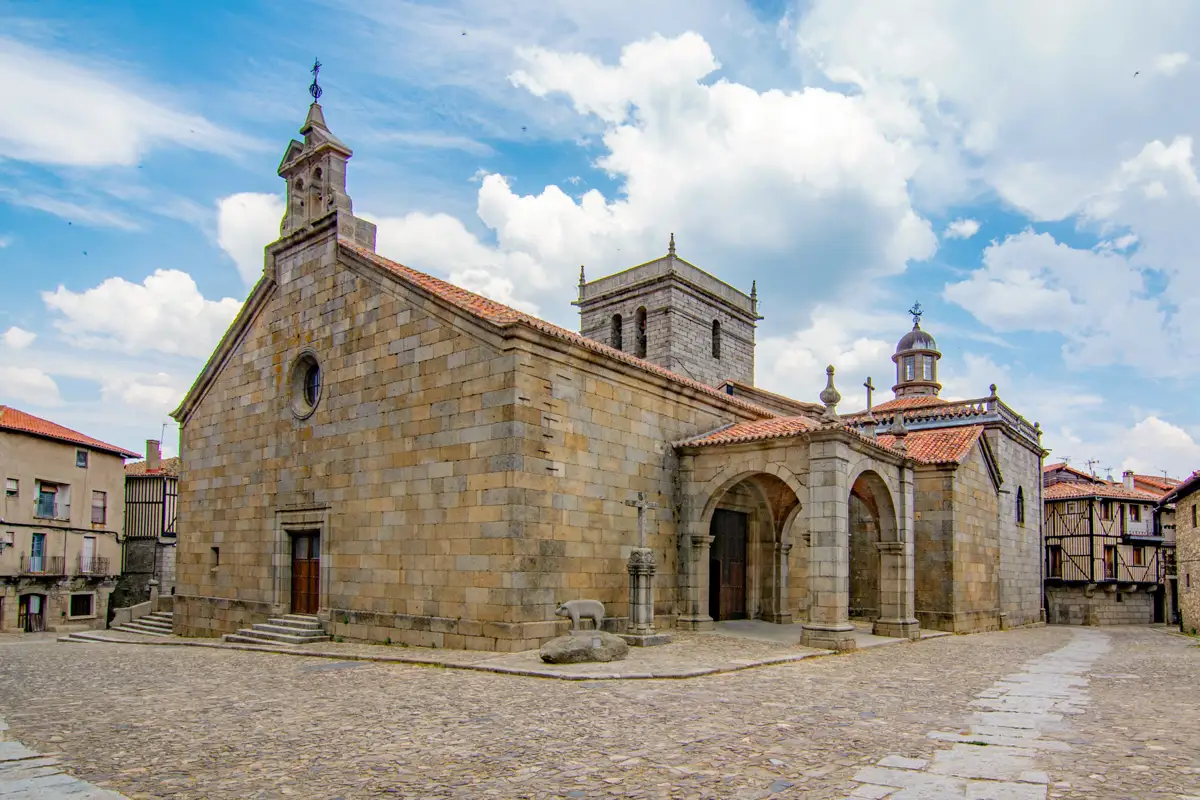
(315,88)
(916,313)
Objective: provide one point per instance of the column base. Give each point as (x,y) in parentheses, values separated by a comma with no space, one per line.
(646,639)
(897,628)
(829,637)
(694,623)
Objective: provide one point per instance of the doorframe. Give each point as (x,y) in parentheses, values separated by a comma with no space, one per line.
(288,522)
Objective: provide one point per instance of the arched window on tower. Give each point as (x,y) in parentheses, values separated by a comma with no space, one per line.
(614,337)
(639,320)
(1020,505)
(716,338)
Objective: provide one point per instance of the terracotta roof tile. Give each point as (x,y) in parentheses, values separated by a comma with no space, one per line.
(938,446)
(1155,483)
(1102,489)
(168,466)
(911,401)
(502,315)
(18,421)
(1189,485)
(759,430)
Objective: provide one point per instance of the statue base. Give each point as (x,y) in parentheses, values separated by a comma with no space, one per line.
(646,639)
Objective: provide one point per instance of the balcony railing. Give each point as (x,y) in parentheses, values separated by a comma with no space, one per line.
(43,565)
(97,565)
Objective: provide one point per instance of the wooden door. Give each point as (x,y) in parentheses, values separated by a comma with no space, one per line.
(727,567)
(306,573)
(31,613)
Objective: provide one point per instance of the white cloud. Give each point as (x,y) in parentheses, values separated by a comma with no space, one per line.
(157,392)
(17,338)
(166,313)
(1154,444)
(70,113)
(28,385)
(961,229)
(1170,63)
(246,223)
(94,214)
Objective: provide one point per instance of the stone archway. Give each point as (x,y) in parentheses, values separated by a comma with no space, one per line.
(872,522)
(741,564)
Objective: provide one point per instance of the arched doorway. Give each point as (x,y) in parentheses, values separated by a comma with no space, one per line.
(872,520)
(747,560)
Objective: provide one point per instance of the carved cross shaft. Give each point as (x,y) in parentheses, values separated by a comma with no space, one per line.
(641,504)
(870,389)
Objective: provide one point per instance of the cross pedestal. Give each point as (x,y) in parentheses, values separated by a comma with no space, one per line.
(642,567)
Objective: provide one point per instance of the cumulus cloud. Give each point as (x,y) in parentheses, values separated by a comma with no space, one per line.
(156,392)
(1170,63)
(1154,444)
(164,313)
(961,229)
(17,338)
(28,385)
(246,223)
(65,112)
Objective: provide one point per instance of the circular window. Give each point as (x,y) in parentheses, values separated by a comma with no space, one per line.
(306,385)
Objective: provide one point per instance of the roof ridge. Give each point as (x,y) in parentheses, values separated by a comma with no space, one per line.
(33,425)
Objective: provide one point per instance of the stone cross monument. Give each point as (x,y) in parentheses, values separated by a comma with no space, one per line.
(641,583)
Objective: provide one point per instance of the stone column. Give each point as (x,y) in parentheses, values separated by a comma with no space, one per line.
(897,573)
(828,625)
(781,611)
(641,631)
(695,616)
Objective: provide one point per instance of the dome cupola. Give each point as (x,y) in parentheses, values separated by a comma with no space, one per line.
(916,361)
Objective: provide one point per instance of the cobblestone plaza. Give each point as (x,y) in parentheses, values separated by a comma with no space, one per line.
(189,722)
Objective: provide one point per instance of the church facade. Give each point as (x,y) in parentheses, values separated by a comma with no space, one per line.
(409,461)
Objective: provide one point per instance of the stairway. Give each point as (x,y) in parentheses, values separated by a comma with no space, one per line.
(292,629)
(157,623)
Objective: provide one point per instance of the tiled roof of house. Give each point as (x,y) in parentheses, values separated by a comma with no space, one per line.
(18,421)
(1065,467)
(501,315)
(938,445)
(1102,489)
(759,430)
(1155,482)
(168,466)
(1189,485)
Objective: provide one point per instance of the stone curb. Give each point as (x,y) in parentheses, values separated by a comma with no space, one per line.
(530,673)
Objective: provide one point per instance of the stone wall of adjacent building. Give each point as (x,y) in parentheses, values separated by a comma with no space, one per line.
(1187,559)
(1078,605)
(977,547)
(57,594)
(1021,555)
(933,546)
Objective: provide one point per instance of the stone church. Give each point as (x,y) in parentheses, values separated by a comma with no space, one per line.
(409,461)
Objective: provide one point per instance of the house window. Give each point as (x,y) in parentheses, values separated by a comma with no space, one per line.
(614,336)
(81,458)
(1020,505)
(216,553)
(639,324)
(1135,513)
(99,507)
(716,339)
(1139,556)
(1072,508)
(1106,510)
(37,552)
(11,487)
(83,605)
(1054,568)
(1110,563)
(48,501)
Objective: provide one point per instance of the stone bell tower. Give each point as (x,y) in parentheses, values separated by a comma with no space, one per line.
(916,361)
(315,172)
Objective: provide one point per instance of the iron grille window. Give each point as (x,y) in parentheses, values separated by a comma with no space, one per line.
(82,605)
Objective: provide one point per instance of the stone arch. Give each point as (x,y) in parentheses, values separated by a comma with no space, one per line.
(871,523)
(748,516)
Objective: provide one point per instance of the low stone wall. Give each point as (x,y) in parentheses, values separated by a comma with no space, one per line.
(213,616)
(961,622)
(1077,605)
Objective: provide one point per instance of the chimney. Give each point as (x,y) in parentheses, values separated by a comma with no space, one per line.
(153,455)
(1127,478)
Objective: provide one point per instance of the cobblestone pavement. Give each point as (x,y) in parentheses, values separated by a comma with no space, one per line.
(26,775)
(202,723)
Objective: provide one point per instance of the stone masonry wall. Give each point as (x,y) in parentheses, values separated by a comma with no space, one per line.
(1021,555)
(1075,605)
(976,547)
(408,458)
(1187,559)
(933,513)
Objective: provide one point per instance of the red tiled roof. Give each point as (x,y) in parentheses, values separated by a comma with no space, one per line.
(500,314)
(1155,483)
(1065,467)
(18,421)
(776,428)
(168,466)
(1189,485)
(938,445)
(1102,489)
(910,401)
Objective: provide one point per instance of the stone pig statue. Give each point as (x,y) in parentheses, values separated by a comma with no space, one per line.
(581,608)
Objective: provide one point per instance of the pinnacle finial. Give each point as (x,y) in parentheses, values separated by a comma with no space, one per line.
(581,279)
(916,314)
(315,88)
(830,396)
(992,389)
(671,246)
(753,290)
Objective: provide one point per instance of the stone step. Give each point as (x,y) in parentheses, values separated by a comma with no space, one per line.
(291,630)
(153,626)
(268,637)
(299,620)
(135,627)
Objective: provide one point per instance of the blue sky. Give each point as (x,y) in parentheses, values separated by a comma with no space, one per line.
(998,162)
